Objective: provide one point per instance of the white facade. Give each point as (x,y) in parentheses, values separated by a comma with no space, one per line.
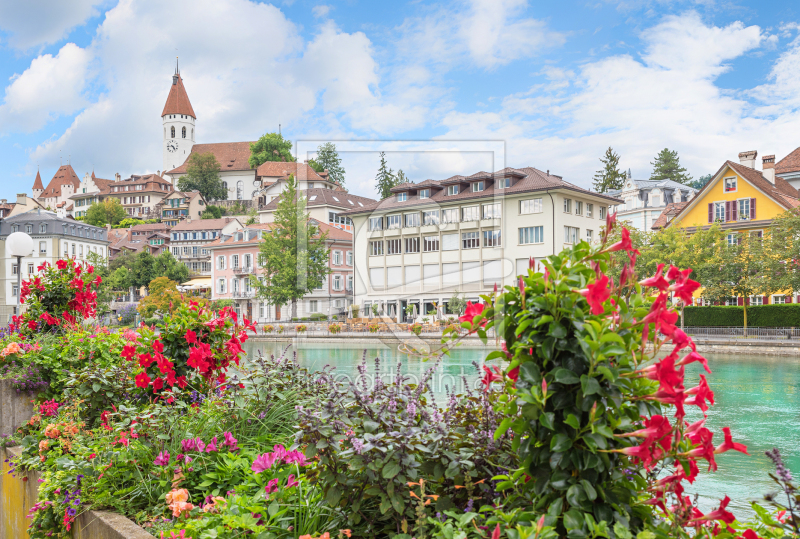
(179,138)
(646,199)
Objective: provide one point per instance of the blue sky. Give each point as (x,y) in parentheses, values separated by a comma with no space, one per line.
(551,84)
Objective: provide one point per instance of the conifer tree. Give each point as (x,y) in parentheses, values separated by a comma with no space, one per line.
(667,166)
(328,158)
(385,179)
(610,177)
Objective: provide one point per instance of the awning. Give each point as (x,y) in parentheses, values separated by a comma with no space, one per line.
(198,283)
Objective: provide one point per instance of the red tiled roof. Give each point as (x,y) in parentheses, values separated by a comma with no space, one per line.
(672,209)
(790,163)
(37,183)
(203,224)
(230,156)
(333,232)
(63,176)
(178,99)
(281,169)
(144,227)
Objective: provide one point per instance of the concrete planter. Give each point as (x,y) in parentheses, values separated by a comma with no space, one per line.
(18,494)
(15,408)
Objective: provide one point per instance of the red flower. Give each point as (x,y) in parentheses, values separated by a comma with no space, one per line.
(142,380)
(496,532)
(145,360)
(473,310)
(729,444)
(597,293)
(128,352)
(692,357)
(623,244)
(702,438)
(61,264)
(158,346)
(191,336)
(749,534)
(718,514)
(495,374)
(513,374)
(158,383)
(657,280)
(182,382)
(701,393)
(32,324)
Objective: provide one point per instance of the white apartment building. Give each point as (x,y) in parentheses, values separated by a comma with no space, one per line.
(188,241)
(644,200)
(466,234)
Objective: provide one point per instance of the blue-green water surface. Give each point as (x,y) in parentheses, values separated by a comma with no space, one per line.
(758,397)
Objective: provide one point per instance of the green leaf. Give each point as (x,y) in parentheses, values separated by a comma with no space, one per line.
(575,495)
(503,428)
(547,420)
(560,443)
(385,505)
(573,422)
(391,469)
(333,497)
(612,337)
(591,493)
(589,385)
(565,376)
(371,426)
(622,532)
(573,519)
(96,387)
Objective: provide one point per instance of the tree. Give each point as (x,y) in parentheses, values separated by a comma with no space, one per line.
(213,212)
(144,269)
(121,279)
(385,179)
(202,174)
(667,166)
(107,212)
(104,292)
(130,221)
(163,298)
(293,255)
(610,177)
(123,260)
(401,177)
(167,266)
(328,158)
(270,147)
(456,304)
(700,182)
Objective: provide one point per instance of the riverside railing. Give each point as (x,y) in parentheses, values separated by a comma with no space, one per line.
(741,334)
(321,329)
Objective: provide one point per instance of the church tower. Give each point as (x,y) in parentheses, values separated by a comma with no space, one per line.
(178,120)
(38,186)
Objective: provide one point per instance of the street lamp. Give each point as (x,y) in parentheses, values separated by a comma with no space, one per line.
(19,244)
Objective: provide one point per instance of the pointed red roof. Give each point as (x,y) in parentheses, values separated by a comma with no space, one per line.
(37,183)
(178,99)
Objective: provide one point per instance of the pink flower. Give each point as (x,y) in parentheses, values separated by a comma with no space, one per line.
(623,244)
(272,486)
(729,444)
(162,459)
(230,441)
(657,280)
(264,462)
(473,310)
(295,457)
(290,481)
(212,445)
(597,293)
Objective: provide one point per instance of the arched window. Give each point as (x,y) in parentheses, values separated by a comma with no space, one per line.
(183,133)
(225,185)
(172,131)
(239,190)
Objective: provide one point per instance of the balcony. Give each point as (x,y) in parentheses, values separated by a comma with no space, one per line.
(243,271)
(244,295)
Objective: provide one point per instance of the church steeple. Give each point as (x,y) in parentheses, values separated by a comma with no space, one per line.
(179,119)
(178,100)
(38,186)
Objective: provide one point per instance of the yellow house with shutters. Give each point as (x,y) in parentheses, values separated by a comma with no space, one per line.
(742,199)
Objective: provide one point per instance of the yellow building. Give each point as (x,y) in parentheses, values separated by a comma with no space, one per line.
(742,199)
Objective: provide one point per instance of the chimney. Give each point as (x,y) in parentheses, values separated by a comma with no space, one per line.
(117,177)
(768,168)
(22,199)
(158,173)
(748,159)
(305,161)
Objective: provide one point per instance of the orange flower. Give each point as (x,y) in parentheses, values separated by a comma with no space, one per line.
(44,445)
(180,507)
(346,533)
(177,495)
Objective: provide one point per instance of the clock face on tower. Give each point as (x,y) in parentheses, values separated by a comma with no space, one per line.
(172,145)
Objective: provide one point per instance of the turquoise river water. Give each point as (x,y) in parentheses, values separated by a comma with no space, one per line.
(758,397)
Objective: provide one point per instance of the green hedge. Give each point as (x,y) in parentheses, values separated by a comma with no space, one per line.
(764,316)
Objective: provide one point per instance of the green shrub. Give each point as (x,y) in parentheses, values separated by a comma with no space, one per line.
(765,316)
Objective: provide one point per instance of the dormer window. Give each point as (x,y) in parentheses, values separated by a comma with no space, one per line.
(452,190)
(402,197)
(425,193)
(504,183)
(730,184)
(477,186)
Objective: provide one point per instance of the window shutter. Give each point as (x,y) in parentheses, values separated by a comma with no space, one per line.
(734,210)
(710,212)
(727,211)
(789,298)
(740,301)
(766,300)
(747,301)
(752,209)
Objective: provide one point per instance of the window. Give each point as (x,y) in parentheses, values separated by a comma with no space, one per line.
(402,197)
(477,186)
(430,217)
(29,229)
(235,283)
(491,238)
(375,248)
(411,219)
(603,211)
(778,300)
(221,286)
(757,234)
(337,258)
(349,282)
(42,229)
(14,290)
(14,269)
(235,261)
(571,234)
(719,211)
(452,190)
(756,300)
(733,238)
(376,223)
(425,193)
(491,211)
(589,235)
(578,207)
(337,282)
(15,228)
(744,209)
(730,184)
(430,244)
(412,245)
(176,251)
(187,250)
(393,221)
(504,183)
(567,205)
(172,132)
(470,240)
(450,242)
(66,248)
(312,306)
(80,251)
(349,258)
(225,185)
(183,132)
(394,247)
(655,200)
(221,262)
(470,213)
(450,216)
(531,234)
(532,205)
(43,247)
(589,209)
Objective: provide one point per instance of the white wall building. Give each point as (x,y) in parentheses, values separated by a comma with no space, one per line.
(465,234)
(644,200)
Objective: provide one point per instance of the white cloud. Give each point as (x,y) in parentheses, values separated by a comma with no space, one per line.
(50,87)
(37,22)
(321,11)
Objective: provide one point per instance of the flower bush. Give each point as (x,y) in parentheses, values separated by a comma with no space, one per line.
(334,328)
(416,329)
(268,328)
(373,328)
(300,328)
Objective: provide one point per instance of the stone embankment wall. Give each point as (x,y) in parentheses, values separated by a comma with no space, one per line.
(15,408)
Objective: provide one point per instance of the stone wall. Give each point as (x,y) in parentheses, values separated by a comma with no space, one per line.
(15,408)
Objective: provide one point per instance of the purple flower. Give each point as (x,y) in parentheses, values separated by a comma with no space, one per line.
(162,459)
(780,468)
(264,462)
(358,445)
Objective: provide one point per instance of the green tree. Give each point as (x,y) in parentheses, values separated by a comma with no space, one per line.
(130,221)
(123,260)
(667,166)
(169,267)
(104,292)
(162,298)
(270,147)
(610,177)
(385,179)
(144,269)
(107,212)
(202,174)
(328,158)
(401,177)
(213,212)
(121,279)
(293,255)
(700,182)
